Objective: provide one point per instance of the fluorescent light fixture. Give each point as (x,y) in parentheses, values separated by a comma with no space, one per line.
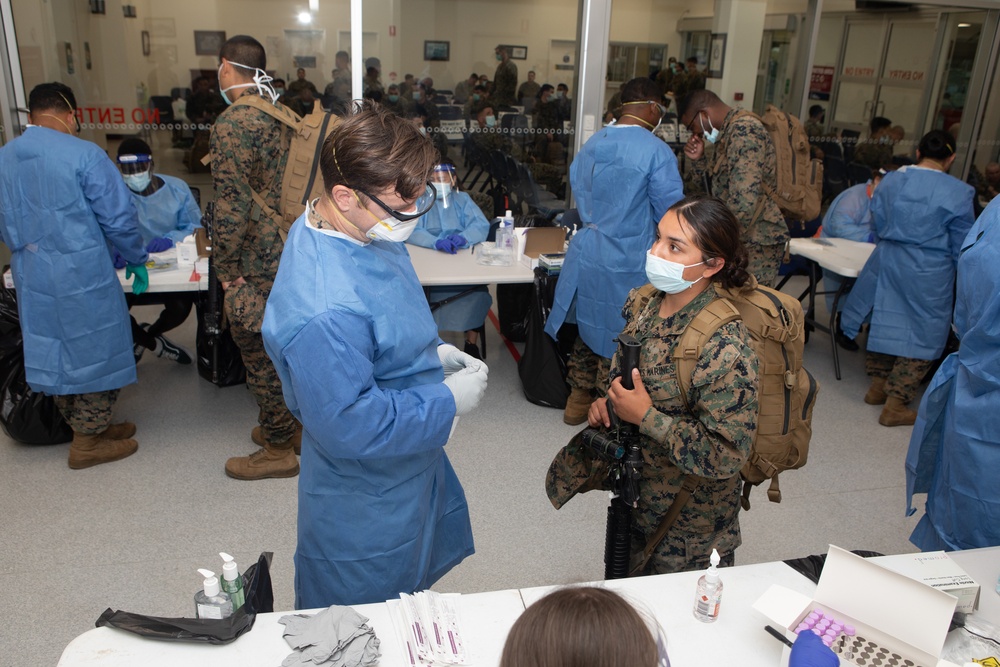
(314,5)
(964,25)
(305,18)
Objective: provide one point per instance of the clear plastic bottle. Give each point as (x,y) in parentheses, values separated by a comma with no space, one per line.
(506,244)
(211,602)
(232,582)
(709,595)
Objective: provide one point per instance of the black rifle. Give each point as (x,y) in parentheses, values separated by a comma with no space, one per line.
(213,310)
(620,445)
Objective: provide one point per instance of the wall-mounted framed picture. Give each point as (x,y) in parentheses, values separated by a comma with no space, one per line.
(716,55)
(145,43)
(519,53)
(305,62)
(434,50)
(209,42)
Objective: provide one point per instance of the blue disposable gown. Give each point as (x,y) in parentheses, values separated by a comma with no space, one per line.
(624,180)
(461,217)
(381,510)
(955,446)
(63,202)
(170,212)
(921,219)
(849,217)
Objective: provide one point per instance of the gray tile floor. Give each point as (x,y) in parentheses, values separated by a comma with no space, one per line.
(130,535)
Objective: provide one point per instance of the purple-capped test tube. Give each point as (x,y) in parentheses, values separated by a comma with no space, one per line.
(849,632)
(802,627)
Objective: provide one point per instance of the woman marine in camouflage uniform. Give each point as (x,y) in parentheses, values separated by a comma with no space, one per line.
(697,246)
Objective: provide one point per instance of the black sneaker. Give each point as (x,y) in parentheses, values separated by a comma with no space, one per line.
(168,350)
(472,349)
(842,339)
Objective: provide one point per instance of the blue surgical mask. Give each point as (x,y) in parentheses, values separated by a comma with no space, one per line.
(667,276)
(491,121)
(394,98)
(475,98)
(138,182)
(279,91)
(711,135)
(417,95)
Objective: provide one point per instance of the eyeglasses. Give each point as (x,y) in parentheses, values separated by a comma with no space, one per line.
(691,122)
(423,204)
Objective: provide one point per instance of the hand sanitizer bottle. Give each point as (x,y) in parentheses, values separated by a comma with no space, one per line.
(709,595)
(232,582)
(506,244)
(211,602)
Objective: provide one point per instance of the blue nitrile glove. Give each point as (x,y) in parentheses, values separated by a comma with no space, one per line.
(141,281)
(810,651)
(117,260)
(159,245)
(459,240)
(446,245)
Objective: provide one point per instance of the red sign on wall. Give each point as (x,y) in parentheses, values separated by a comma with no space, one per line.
(821,83)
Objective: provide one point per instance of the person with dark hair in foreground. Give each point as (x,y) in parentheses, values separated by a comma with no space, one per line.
(921,216)
(381,511)
(65,210)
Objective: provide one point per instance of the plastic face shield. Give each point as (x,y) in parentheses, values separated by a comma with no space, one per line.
(134,164)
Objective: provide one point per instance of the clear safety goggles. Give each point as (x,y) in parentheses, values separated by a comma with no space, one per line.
(421,206)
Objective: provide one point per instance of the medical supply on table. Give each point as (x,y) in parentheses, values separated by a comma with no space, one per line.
(232,582)
(843,639)
(334,637)
(187,251)
(211,602)
(506,244)
(709,594)
(428,625)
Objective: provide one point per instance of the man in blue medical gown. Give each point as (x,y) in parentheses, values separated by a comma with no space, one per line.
(624,180)
(347,326)
(955,447)
(63,210)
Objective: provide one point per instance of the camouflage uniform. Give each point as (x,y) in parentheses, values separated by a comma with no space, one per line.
(713,443)
(473,107)
(296,87)
(87,414)
(873,154)
(586,369)
(528,90)
(249,151)
(505,84)
(743,168)
(903,375)
(545,120)
(428,110)
(400,107)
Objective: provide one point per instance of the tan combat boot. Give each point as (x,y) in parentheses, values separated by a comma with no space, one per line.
(91,450)
(895,413)
(876,392)
(577,406)
(257,435)
(266,463)
(118,431)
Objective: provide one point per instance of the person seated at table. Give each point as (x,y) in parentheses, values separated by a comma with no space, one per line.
(455,223)
(849,217)
(697,248)
(955,444)
(582,626)
(167,214)
(395,103)
(921,216)
(417,116)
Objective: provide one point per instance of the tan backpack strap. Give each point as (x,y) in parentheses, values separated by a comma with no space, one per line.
(643,296)
(773,492)
(688,486)
(692,341)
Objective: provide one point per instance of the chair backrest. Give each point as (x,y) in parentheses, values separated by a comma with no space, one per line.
(849,139)
(834,176)
(450,112)
(830,148)
(196,193)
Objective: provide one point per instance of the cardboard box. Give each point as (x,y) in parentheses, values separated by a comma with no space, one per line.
(938,570)
(887,608)
(533,241)
(204,245)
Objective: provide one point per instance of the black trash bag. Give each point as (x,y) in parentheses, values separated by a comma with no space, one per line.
(28,417)
(811,567)
(542,367)
(259,600)
(514,301)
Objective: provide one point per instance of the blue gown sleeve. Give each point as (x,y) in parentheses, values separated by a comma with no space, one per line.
(188,217)
(332,379)
(112,204)
(848,218)
(475,227)
(665,185)
(421,237)
(959,225)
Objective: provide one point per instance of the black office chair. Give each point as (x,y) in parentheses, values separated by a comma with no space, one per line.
(834,176)
(830,148)
(849,139)
(196,193)
(858,173)
(164,106)
(450,112)
(538,200)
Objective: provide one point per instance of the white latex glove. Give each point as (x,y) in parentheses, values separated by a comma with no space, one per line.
(453,359)
(468,387)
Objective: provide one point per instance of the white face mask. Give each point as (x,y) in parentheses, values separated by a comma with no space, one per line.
(712,135)
(667,276)
(392,230)
(261,81)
